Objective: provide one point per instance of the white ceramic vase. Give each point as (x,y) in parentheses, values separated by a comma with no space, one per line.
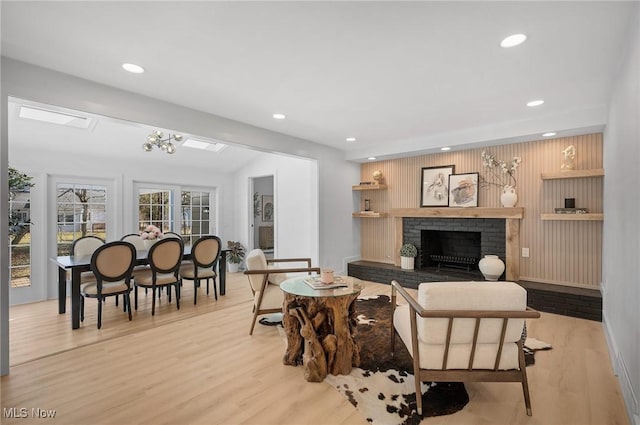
(509,197)
(233,267)
(148,243)
(491,267)
(407,263)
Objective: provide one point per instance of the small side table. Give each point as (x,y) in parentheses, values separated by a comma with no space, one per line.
(320,325)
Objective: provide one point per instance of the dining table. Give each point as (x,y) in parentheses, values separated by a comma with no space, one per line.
(79,264)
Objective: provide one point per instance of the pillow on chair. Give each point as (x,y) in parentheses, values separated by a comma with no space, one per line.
(256,260)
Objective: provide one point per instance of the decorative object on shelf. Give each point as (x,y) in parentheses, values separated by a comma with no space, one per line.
(509,197)
(267,208)
(569,202)
(367,205)
(157,139)
(150,235)
(571,211)
(408,253)
(435,186)
(377,176)
(463,190)
(568,158)
(491,267)
(235,255)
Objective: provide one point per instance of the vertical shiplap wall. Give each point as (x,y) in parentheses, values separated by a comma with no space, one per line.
(561,252)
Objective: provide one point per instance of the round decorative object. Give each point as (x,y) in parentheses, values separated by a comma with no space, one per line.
(377,175)
(491,267)
(509,197)
(407,263)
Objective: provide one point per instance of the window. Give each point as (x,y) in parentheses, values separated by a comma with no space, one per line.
(20,238)
(82,211)
(192,217)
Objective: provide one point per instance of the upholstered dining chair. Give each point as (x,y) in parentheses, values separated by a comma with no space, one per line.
(265,279)
(111,264)
(204,258)
(164,258)
(85,246)
(464,332)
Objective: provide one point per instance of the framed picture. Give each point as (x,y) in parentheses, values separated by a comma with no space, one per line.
(463,190)
(435,186)
(267,208)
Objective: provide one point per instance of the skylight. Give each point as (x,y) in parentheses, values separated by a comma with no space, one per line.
(54,117)
(203,145)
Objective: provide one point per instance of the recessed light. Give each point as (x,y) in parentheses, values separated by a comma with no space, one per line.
(513,40)
(535,103)
(446,148)
(372,158)
(133,68)
(350,139)
(549,134)
(279,116)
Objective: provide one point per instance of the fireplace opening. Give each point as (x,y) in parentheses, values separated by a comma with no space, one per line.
(452,249)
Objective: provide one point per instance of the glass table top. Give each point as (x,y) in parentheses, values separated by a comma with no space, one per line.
(298,286)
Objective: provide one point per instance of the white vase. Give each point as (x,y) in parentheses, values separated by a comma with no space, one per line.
(233,267)
(148,243)
(491,267)
(509,197)
(407,263)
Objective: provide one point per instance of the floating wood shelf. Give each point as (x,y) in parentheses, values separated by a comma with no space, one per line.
(374,186)
(573,174)
(470,212)
(370,215)
(573,217)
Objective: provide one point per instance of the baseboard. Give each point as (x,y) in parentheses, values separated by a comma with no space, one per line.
(620,369)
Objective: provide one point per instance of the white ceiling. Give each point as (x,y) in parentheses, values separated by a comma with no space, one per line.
(398,76)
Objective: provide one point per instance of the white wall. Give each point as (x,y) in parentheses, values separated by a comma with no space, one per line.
(621,250)
(295,200)
(338,235)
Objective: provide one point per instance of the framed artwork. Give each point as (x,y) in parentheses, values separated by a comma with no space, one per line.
(267,208)
(435,186)
(463,190)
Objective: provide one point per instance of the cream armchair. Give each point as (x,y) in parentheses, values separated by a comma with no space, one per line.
(464,332)
(265,279)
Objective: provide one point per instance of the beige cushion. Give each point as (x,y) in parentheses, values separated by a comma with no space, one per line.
(107,288)
(187,271)
(273,298)
(465,296)
(256,260)
(146,278)
(86,277)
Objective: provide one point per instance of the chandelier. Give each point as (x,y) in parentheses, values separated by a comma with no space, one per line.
(157,139)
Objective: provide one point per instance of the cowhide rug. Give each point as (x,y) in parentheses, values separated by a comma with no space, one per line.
(382,388)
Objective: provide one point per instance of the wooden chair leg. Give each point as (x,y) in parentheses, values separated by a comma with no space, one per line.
(525,382)
(177,293)
(153,301)
(418,392)
(195,291)
(117,300)
(207,286)
(215,288)
(135,295)
(99,313)
(127,297)
(255,318)
(82,308)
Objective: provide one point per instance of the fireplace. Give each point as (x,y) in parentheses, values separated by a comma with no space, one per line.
(443,248)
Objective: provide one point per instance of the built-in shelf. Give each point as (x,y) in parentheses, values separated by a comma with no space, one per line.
(370,215)
(373,186)
(573,217)
(469,212)
(573,174)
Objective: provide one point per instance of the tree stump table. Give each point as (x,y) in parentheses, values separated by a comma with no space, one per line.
(320,325)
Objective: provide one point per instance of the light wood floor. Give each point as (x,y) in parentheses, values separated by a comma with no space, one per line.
(200,366)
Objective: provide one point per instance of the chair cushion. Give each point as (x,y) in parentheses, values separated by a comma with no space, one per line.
(470,296)
(145,278)
(273,298)
(187,271)
(431,355)
(87,277)
(256,260)
(107,288)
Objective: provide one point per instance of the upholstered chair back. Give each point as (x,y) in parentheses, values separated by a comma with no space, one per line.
(136,240)
(256,260)
(206,251)
(113,261)
(85,246)
(165,255)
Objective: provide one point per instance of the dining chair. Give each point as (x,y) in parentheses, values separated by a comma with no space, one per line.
(85,246)
(164,258)
(111,264)
(204,258)
(265,280)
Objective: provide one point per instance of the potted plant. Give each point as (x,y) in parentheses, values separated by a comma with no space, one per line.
(235,254)
(408,253)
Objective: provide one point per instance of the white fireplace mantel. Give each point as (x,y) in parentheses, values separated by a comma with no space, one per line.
(512,217)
